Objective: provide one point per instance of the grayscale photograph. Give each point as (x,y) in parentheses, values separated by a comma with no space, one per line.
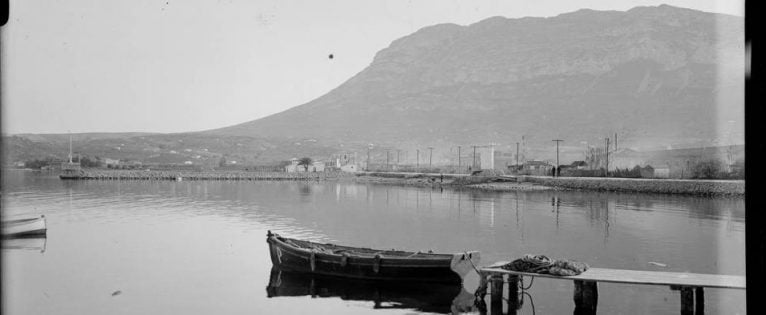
(373,157)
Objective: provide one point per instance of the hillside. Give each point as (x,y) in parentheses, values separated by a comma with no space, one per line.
(656,75)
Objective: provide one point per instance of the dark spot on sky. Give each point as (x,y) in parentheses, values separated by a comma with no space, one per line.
(330,56)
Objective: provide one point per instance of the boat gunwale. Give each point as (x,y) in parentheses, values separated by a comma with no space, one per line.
(364,258)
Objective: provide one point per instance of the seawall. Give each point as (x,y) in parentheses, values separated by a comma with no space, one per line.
(660,186)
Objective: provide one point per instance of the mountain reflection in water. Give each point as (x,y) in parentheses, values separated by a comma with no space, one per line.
(422,297)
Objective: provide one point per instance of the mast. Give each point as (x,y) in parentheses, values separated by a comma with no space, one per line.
(70,147)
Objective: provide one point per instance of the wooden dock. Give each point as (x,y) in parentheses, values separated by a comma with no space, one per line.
(94,174)
(586,288)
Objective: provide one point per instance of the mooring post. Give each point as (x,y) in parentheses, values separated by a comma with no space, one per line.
(496,306)
(513,294)
(585,297)
(700,304)
(687,301)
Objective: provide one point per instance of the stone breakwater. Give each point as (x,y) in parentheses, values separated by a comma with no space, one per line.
(207,175)
(661,186)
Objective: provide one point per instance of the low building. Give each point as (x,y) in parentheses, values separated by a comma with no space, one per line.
(661,172)
(536,168)
(112,162)
(293,166)
(349,168)
(316,166)
(579,165)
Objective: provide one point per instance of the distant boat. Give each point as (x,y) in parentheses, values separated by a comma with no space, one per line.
(24,227)
(365,263)
(70,170)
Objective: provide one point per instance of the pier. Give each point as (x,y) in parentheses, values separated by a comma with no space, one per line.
(207,175)
(690,285)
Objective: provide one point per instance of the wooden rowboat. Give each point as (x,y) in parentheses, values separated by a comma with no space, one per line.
(24,227)
(365,263)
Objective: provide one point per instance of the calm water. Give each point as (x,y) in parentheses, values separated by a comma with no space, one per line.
(199,247)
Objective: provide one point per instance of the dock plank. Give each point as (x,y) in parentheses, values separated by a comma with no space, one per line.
(641,277)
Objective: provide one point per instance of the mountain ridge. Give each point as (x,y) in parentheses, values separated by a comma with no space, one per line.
(656,76)
(476,76)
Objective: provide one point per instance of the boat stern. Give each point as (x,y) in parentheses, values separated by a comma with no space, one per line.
(463,263)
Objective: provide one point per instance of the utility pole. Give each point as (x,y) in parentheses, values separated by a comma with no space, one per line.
(517,155)
(387,159)
(417,163)
(458,158)
(397,156)
(615,141)
(430,155)
(607,158)
(557,154)
(368,158)
(474,156)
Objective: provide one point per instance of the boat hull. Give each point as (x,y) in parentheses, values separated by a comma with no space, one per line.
(441,268)
(25,227)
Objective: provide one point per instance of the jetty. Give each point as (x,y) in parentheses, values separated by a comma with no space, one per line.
(97,174)
(690,285)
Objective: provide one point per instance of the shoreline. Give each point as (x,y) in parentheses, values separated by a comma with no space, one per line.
(694,187)
(497,183)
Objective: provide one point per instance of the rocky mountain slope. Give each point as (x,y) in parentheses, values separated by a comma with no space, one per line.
(656,75)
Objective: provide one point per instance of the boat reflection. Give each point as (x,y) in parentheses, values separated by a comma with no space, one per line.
(422,297)
(27,243)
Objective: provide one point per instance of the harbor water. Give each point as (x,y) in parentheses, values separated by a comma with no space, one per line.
(199,247)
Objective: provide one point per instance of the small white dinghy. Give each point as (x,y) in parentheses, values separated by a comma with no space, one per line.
(24,227)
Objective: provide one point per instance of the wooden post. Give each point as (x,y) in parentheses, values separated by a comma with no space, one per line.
(513,294)
(687,301)
(585,297)
(496,303)
(700,303)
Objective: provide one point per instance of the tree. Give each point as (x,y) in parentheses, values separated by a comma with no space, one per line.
(305,161)
(708,169)
(222,161)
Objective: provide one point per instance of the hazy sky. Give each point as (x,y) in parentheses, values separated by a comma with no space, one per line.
(175,66)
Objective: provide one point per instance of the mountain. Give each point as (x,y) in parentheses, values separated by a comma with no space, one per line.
(657,76)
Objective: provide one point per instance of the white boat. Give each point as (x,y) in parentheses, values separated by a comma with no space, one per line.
(24,227)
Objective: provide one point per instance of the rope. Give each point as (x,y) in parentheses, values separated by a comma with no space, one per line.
(530,300)
(521,302)
(471,261)
(530,283)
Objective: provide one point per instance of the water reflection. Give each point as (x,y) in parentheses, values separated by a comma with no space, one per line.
(35,243)
(214,227)
(422,297)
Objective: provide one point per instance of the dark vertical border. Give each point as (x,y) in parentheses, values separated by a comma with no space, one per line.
(755,231)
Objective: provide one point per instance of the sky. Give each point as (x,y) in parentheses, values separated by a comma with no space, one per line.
(177,66)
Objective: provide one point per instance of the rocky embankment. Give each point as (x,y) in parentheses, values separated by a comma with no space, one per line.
(539,183)
(659,186)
